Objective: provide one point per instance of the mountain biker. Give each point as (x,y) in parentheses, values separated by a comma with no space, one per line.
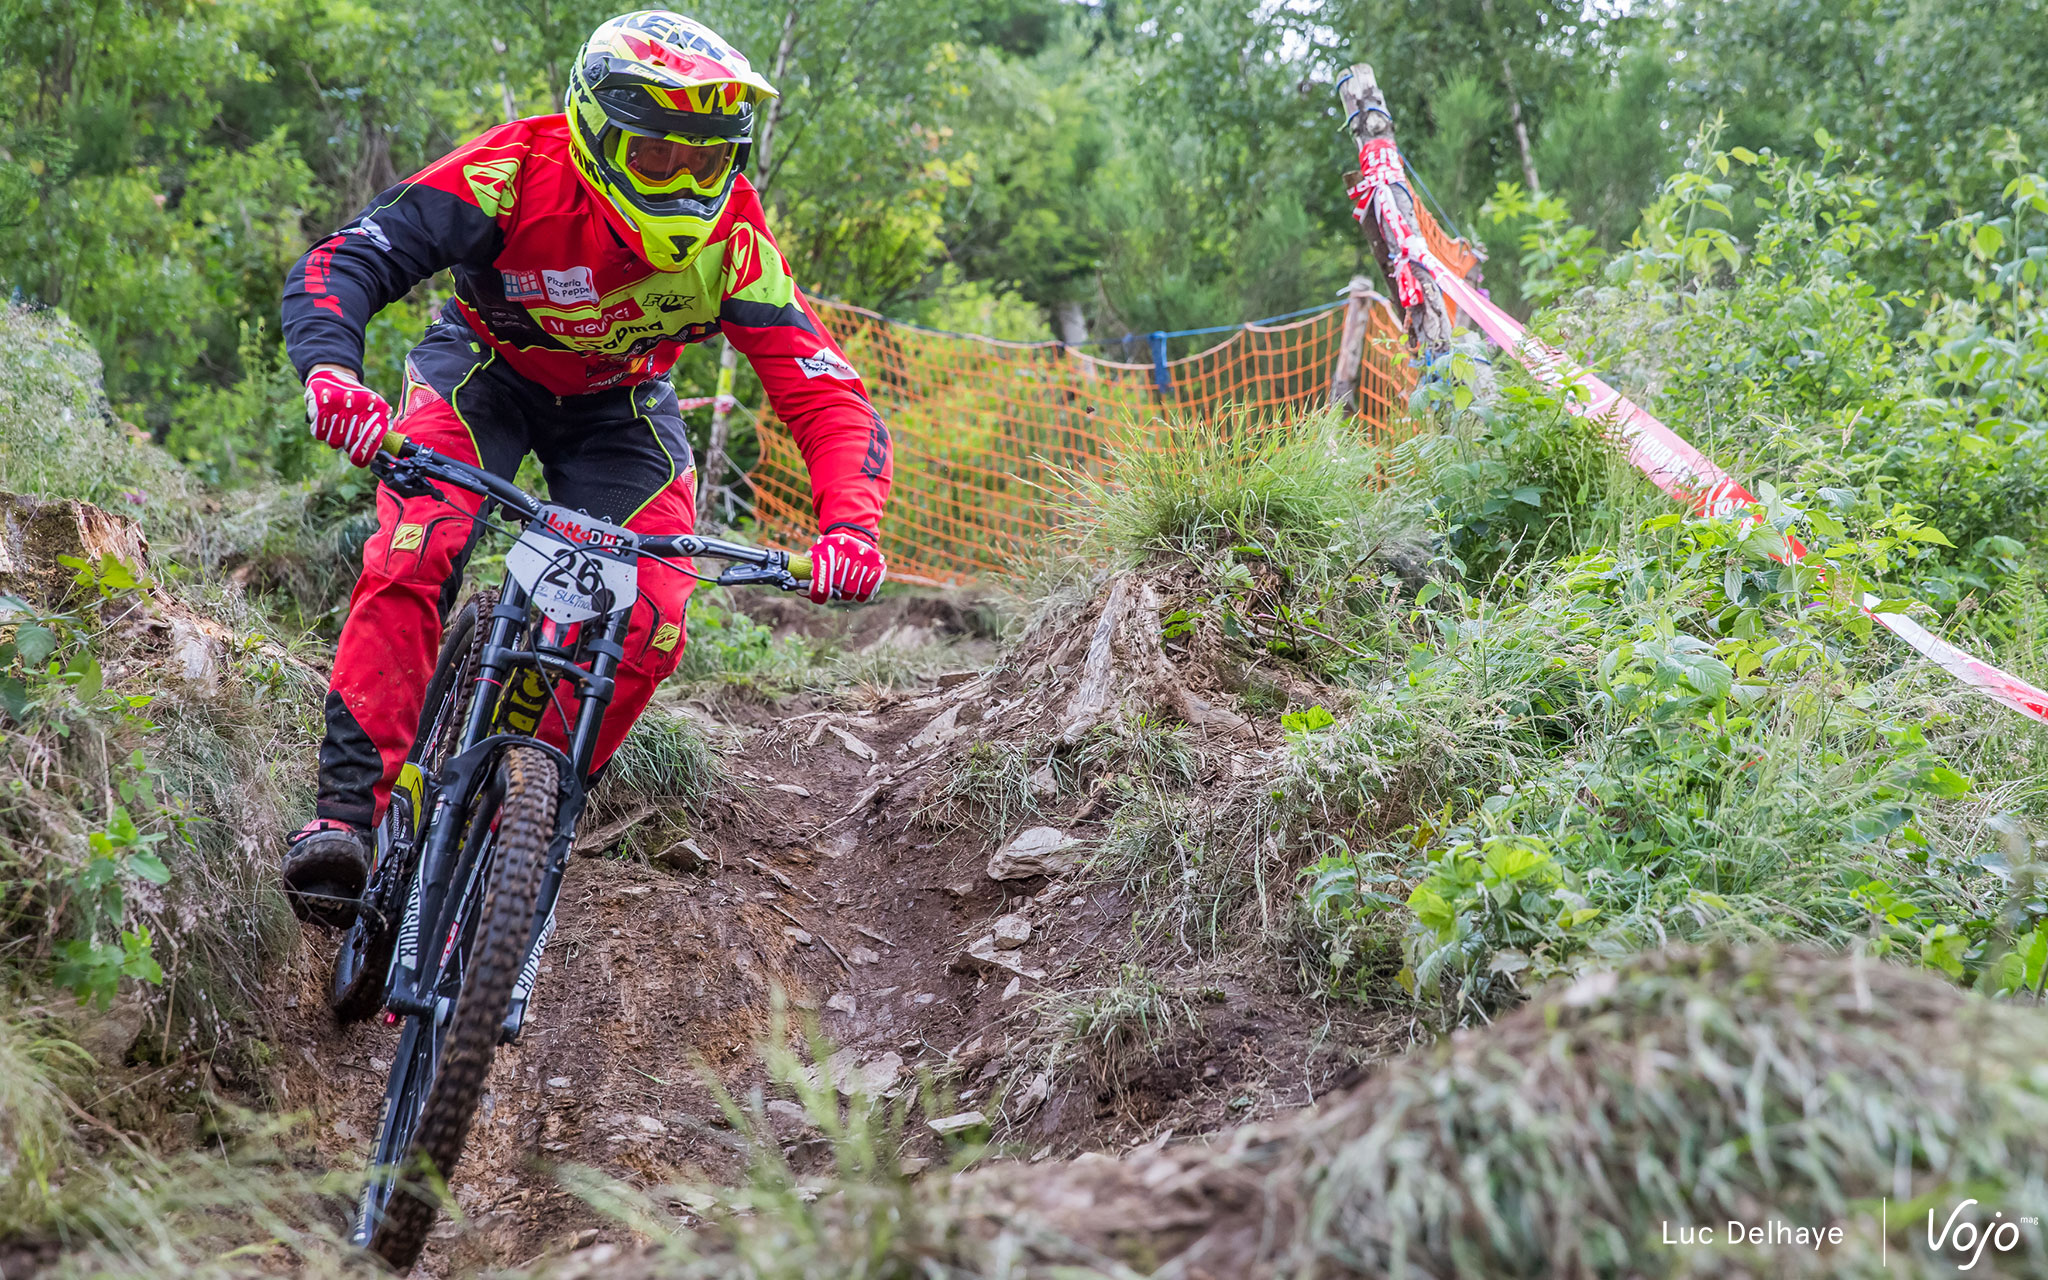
(587,248)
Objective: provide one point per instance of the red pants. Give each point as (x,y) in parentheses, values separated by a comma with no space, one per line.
(620,455)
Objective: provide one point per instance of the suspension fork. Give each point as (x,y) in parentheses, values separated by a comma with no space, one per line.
(437,866)
(607,652)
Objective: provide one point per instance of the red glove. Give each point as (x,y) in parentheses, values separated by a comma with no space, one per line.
(345,413)
(845,565)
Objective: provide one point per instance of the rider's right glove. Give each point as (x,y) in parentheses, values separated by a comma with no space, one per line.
(346,414)
(846,565)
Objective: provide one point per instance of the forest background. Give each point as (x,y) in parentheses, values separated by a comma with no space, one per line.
(1022,168)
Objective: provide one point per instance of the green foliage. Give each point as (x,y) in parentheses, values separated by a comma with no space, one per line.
(54,698)
(119,807)
(726,645)
(1523,480)
(1558,255)
(1688,739)
(58,436)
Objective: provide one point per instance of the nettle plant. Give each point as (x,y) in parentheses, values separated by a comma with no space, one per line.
(75,853)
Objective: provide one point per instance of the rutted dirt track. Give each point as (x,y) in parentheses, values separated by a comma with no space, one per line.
(822,883)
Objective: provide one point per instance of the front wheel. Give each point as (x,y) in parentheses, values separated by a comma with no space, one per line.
(362,963)
(438,1073)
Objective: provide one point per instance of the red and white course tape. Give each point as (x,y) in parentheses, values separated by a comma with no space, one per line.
(1657,451)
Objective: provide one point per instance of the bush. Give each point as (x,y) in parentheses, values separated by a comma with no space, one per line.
(1690,740)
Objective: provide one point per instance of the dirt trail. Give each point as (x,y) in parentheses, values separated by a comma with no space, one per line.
(824,885)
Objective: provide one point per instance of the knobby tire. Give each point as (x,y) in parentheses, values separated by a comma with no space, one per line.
(362,962)
(525,826)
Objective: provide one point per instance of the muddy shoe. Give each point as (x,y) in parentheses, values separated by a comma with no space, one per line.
(326,866)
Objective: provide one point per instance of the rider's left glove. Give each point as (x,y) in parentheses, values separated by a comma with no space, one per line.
(846,565)
(346,414)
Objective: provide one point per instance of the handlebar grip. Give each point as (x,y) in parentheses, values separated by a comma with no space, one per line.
(799,566)
(394,443)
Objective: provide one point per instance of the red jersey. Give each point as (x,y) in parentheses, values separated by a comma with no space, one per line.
(543,275)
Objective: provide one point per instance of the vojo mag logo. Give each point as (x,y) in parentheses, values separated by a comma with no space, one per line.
(1974,1238)
(1964,1236)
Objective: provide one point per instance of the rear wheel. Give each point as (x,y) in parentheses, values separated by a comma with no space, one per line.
(438,1073)
(362,963)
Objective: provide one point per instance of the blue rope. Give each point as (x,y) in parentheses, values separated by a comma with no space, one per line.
(1228,328)
(1117,342)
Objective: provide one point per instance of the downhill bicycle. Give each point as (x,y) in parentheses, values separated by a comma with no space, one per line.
(471,849)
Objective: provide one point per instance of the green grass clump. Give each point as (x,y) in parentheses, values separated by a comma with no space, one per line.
(1287,485)
(36,1141)
(1690,1087)
(666,759)
(987,787)
(1110,1030)
(141,808)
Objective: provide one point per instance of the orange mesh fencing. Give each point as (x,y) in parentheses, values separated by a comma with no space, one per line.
(984,429)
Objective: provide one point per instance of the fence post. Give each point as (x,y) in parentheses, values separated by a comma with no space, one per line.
(1162,377)
(1429,324)
(1351,349)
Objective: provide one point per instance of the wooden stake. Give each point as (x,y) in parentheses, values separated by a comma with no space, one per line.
(1429,324)
(1351,350)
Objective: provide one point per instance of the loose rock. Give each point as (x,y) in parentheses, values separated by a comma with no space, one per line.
(941,727)
(1037,851)
(1012,931)
(854,746)
(684,855)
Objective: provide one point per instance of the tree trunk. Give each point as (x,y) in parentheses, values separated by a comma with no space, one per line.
(712,475)
(1073,324)
(1507,83)
(774,113)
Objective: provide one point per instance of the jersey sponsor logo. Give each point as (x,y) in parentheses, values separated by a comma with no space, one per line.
(369,230)
(590,534)
(826,364)
(592,326)
(407,537)
(570,287)
(490,181)
(522,286)
(742,259)
(666,637)
(670,301)
(876,464)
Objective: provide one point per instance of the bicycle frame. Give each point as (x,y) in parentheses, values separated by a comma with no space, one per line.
(527,658)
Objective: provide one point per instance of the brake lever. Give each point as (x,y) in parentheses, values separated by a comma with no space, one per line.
(748,575)
(404,477)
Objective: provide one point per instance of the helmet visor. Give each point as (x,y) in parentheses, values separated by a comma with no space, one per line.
(660,165)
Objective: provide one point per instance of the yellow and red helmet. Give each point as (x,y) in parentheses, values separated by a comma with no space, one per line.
(661,120)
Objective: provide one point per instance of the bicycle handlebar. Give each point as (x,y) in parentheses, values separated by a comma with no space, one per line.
(525,505)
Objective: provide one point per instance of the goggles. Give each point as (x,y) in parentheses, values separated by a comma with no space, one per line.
(659,166)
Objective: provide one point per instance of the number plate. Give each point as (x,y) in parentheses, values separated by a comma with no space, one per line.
(573,583)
